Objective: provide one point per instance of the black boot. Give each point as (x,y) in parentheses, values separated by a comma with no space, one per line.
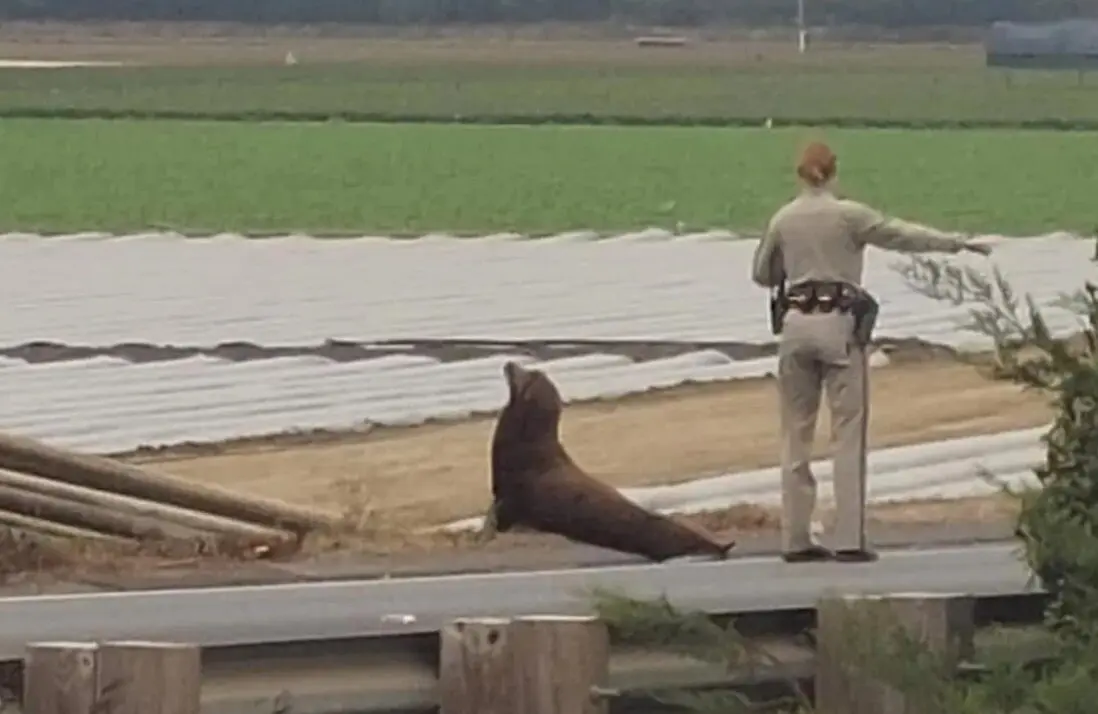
(856,555)
(811,554)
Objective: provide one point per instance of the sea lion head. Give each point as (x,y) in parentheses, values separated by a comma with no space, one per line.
(517,377)
(534,403)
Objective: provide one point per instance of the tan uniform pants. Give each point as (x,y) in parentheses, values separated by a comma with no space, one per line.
(817,353)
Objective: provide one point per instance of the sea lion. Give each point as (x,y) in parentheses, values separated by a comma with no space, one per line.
(536,484)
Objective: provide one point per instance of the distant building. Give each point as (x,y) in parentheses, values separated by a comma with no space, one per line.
(1070,44)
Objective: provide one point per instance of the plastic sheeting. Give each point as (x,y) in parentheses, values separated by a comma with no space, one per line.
(163,289)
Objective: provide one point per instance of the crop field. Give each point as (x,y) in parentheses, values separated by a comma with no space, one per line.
(411,179)
(498,80)
(337,177)
(488,92)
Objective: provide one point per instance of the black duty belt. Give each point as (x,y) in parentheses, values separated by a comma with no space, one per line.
(822,296)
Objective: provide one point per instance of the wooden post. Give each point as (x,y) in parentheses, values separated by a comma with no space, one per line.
(115,677)
(475,667)
(59,677)
(150,677)
(560,661)
(533,665)
(851,629)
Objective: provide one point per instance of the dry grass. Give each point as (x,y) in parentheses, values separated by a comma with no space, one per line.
(748,518)
(27,556)
(29,559)
(382,537)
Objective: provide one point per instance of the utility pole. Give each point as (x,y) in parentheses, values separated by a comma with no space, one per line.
(802,33)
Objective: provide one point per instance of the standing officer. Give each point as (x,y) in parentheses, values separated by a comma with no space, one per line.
(816,243)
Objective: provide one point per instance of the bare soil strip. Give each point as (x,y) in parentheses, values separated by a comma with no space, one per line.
(399,480)
(193,43)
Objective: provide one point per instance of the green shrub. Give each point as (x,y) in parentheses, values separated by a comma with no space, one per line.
(1057,526)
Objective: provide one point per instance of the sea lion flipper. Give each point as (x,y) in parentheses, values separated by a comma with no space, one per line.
(490,529)
(497,519)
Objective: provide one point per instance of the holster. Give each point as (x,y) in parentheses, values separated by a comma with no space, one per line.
(825,296)
(866,309)
(779,305)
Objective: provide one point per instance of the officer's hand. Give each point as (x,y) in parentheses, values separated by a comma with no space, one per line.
(974,247)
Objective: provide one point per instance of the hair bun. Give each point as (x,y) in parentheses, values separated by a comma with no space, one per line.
(817,164)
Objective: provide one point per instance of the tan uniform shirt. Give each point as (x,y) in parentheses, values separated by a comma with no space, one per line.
(818,236)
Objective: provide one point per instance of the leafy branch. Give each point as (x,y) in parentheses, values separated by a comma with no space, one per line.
(657,625)
(1025,349)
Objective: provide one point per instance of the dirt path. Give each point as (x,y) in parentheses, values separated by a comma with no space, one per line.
(417,476)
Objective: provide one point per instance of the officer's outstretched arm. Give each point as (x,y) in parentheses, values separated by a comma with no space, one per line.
(870,227)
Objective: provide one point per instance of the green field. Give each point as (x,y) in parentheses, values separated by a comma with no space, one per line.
(267,173)
(832,92)
(408,179)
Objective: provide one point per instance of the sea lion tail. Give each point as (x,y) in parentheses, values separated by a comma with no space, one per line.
(723,546)
(705,541)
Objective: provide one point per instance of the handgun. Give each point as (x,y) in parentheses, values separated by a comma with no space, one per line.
(777,307)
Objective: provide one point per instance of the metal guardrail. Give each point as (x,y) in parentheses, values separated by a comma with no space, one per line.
(398,674)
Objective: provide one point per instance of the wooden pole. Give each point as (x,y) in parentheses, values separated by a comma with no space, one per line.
(533,665)
(34,457)
(802,31)
(115,677)
(78,515)
(190,524)
(51,529)
(855,632)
